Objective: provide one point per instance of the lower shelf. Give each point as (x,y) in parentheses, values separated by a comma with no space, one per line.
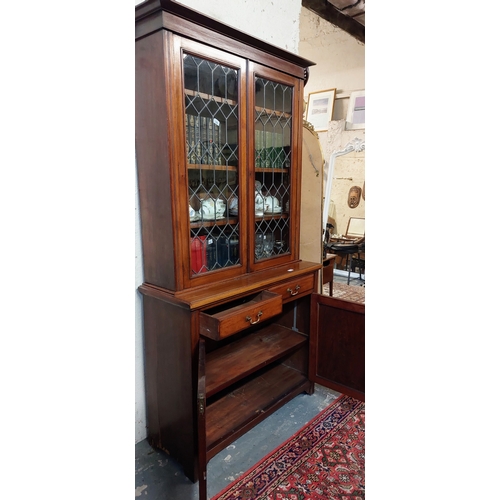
(231,363)
(240,410)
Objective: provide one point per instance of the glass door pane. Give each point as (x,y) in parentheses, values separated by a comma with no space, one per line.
(211,121)
(273,138)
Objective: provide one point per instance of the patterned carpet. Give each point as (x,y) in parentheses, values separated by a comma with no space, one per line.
(346,292)
(325,460)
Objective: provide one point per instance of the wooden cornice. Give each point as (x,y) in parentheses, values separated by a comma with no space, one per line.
(150,7)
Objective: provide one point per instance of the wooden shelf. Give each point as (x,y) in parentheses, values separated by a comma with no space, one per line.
(239,411)
(204,166)
(279,115)
(234,220)
(231,363)
(281,215)
(272,170)
(208,97)
(209,223)
(207,105)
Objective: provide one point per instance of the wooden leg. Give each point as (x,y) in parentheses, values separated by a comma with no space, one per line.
(348,259)
(202,486)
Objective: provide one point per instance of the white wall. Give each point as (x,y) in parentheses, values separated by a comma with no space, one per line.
(276,22)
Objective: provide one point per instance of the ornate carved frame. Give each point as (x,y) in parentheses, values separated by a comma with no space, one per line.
(357,145)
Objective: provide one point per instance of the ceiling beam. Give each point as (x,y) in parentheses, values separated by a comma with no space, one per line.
(328,12)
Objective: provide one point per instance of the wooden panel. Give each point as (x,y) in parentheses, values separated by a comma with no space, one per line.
(178,17)
(222,291)
(180,177)
(232,320)
(311,232)
(153,150)
(236,413)
(295,288)
(201,405)
(337,345)
(235,361)
(169,381)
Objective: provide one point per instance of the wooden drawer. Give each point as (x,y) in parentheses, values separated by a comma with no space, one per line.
(219,324)
(295,287)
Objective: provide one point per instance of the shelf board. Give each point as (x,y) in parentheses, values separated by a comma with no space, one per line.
(204,166)
(239,411)
(210,223)
(281,215)
(279,115)
(272,170)
(231,363)
(208,97)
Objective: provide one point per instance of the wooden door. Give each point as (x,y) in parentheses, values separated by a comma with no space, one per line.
(274,149)
(201,405)
(337,345)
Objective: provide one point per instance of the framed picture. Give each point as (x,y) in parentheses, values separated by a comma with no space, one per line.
(320,109)
(356,111)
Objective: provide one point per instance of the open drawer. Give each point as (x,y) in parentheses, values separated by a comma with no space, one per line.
(221,322)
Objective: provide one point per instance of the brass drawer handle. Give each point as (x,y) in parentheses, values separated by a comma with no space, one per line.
(248,318)
(297,288)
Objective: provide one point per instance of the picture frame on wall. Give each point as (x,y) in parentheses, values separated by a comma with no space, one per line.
(356,111)
(320,109)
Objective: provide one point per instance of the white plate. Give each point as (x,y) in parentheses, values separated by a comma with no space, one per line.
(272,212)
(214,218)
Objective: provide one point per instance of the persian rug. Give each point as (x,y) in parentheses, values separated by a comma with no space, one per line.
(325,460)
(346,292)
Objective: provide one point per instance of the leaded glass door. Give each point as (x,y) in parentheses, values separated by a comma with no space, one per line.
(275,163)
(214,159)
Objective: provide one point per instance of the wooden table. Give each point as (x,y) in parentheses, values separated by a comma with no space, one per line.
(327,272)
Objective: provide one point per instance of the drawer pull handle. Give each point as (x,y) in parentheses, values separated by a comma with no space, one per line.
(248,318)
(297,288)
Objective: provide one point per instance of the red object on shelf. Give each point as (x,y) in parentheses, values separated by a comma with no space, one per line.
(198,254)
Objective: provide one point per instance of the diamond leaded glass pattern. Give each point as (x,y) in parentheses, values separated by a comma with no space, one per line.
(273,135)
(211,121)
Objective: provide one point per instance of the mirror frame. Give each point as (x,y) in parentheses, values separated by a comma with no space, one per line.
(357,145)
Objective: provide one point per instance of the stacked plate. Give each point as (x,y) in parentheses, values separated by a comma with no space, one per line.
(276,210)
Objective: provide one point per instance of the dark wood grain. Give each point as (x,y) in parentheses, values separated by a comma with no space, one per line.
(237,412)
(231,320)
(201,413)
(295,288)
(337,345)
(169,382)
(235,361)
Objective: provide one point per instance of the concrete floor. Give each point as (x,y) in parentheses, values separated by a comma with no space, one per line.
(159,477)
